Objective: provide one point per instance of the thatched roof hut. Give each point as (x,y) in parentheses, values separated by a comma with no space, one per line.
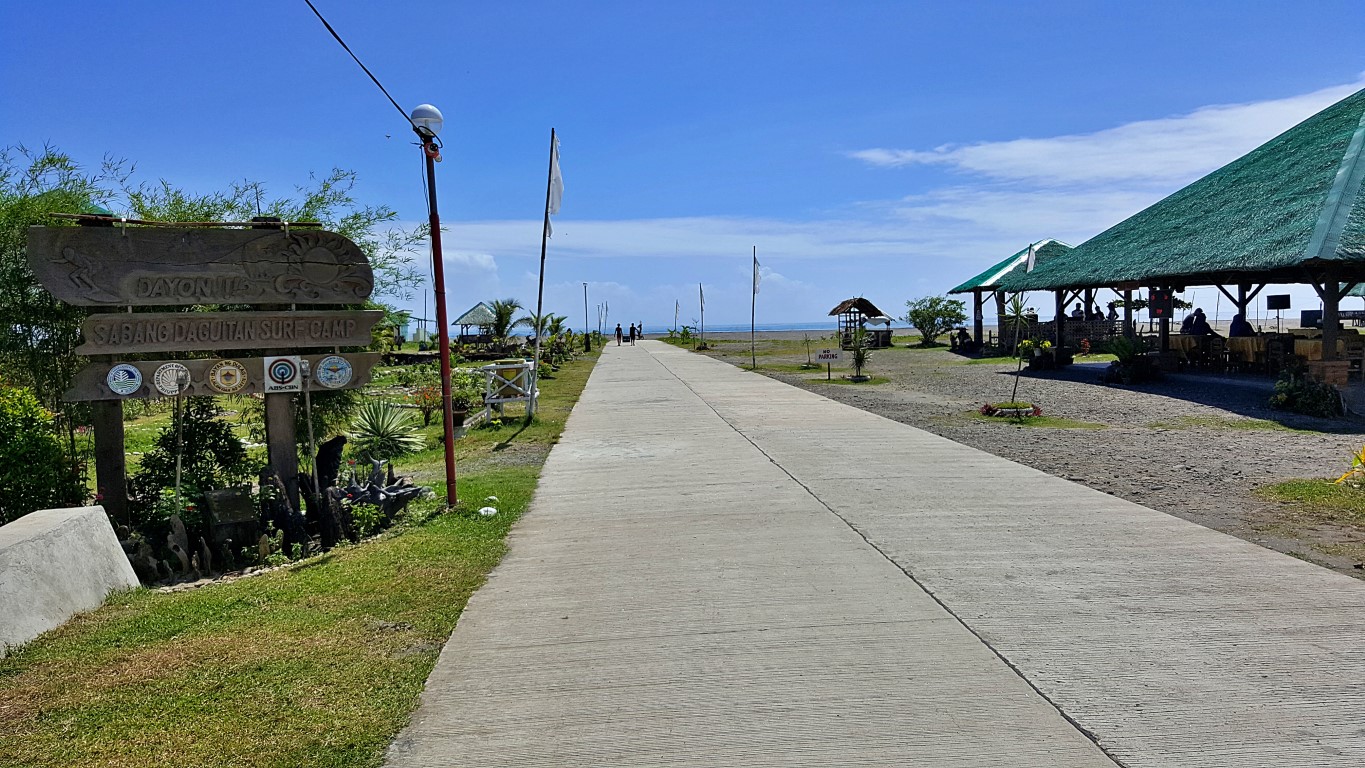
(858,306)
(988,282)
(854,314)
(1286,211)
(1289,211)
(1043,251)
(480,314)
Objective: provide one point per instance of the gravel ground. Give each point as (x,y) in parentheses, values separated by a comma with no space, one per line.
(1195,446)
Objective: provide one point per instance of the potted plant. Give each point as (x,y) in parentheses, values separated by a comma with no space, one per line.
(466,393)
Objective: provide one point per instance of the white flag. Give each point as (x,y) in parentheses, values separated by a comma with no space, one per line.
(1032,258)
(556,180)
(677,307)
(755,273)
(701,294)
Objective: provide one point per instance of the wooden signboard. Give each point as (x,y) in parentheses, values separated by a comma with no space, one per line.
(163,378)
(116,266)
(127,333)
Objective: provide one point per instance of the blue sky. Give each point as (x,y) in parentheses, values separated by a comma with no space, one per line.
(883,149)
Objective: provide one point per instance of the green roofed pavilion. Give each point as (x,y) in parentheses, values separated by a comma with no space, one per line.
(1287,212)
(990,279)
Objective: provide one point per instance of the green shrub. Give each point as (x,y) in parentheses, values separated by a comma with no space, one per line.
(213,457)
(467,388)
(934,316)
(34,473)
(1133,366)
(383,431)
(1297,393)
(368,519)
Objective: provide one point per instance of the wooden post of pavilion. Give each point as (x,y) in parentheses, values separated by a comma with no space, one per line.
(1061,317)
(1128,329)
(1164,326)
(978,326)
(1000,317)
(1331,303)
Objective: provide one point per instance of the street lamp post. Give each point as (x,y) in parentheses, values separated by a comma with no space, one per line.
(587,340)
(427,122)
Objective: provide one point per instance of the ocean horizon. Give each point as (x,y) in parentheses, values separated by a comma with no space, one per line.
(827,325)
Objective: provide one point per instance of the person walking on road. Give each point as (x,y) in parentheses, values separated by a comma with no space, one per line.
(618,334)
(632,334)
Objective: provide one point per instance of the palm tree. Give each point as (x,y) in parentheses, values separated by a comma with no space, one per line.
(503,312)
(551,325)
(557,324)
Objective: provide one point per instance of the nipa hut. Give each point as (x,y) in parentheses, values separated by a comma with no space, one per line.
(478,316)
(859,313)
(1289,211)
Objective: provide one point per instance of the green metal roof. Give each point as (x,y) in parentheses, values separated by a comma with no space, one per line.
(479,314)
(1279,214)
(1045,249)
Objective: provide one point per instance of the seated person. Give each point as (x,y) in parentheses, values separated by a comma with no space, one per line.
(1078,313)
(1240,327)
(964,341)
(1200,325)
(1187,324)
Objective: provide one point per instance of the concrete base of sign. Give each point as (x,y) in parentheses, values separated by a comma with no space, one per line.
(53,564)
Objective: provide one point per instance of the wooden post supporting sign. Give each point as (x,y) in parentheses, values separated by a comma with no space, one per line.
(111,466)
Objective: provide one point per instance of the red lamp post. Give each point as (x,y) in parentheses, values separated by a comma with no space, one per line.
(427,122)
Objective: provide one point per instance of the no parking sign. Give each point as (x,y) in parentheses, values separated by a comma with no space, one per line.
(283,374)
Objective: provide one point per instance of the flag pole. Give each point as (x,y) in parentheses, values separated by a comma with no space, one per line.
(540,287)
(701,299)
(753,305)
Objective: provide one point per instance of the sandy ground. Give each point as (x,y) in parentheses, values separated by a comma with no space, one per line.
(1193,445)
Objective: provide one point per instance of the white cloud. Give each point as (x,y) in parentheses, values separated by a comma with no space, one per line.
(1009,193)
(471,261)
(1163,152)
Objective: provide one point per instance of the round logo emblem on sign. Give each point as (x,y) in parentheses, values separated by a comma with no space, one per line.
(282,371)
(124,379)
(334,372)
(227,376)
(171,379)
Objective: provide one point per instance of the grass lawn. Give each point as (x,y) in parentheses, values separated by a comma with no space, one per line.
(873,381)
(318,664)
(1319,500)
(1214,422)
(1044,421)
(1316,505)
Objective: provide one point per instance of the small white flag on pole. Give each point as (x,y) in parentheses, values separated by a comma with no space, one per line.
(555,193)
(755,272)
(1032,258)
(701,294)
(556,180)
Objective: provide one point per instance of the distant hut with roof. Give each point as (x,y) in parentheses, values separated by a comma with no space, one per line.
(858,313)
(478,316)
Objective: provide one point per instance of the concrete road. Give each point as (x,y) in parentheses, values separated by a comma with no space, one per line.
(719,569)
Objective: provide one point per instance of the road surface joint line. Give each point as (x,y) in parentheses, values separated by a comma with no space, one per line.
(1017,671)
